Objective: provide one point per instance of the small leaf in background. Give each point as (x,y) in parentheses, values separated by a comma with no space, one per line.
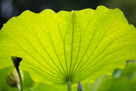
(76,46)
(80,87)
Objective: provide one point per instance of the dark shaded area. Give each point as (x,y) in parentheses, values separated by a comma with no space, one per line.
(127,6)
(10,8)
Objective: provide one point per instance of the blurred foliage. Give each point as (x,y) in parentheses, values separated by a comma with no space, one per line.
(125,82)
(121,80)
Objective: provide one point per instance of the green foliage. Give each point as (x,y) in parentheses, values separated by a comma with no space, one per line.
(62,46)
(125,82)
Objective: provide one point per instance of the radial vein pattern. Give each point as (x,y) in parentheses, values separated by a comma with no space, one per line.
(72,45)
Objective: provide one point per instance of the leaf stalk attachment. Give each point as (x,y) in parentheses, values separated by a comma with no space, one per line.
(69,85)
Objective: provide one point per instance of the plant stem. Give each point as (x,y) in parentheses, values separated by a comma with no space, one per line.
(20,79)
(69,85)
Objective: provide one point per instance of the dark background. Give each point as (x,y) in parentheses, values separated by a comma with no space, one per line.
(10,8)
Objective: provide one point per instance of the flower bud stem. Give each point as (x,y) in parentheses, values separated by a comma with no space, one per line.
(16,62)
(20,79)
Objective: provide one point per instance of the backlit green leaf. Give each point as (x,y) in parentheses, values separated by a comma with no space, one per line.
(62,46)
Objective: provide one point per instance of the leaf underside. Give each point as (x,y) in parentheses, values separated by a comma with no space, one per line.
(62,46)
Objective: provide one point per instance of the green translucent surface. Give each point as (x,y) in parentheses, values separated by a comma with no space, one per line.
(62,46)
